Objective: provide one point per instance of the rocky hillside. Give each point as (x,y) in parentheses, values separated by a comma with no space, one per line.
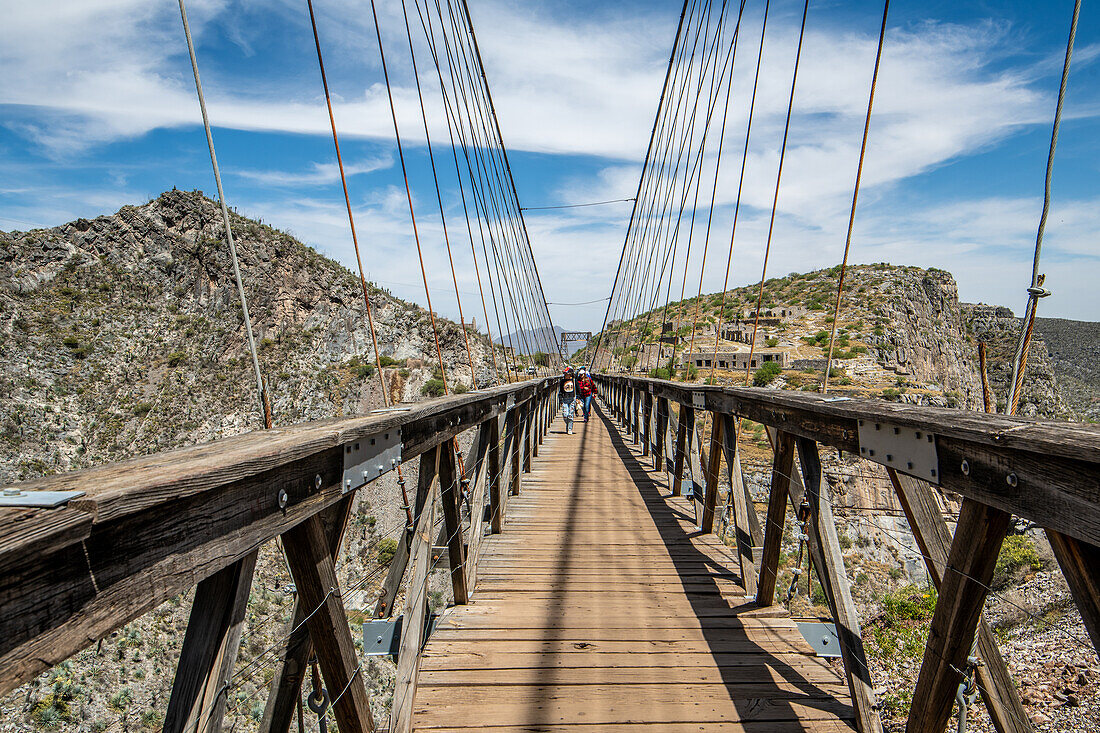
(1074,351)
(123,335)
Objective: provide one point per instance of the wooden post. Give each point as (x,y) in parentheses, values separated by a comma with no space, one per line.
(1080,563)
(829,561)
(286,684)
(210,649)
(475,479)
(998,691)
(684,423)
(496,506)
(536,425)
(314,574)
(452,522)
(782,467)
(528,418)
(661,434)
(647,420)
(514,429)
(712,470)
(416,605)
(742,507)
(979,533)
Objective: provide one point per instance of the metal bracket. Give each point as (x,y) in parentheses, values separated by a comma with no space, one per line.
(821,636)
(37,499)
(904,449)
(368,458)
(382,637)
(698,400)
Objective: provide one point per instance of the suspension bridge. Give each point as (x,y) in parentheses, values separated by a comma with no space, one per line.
(590,585)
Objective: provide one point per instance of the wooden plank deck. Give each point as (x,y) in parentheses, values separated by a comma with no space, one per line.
(600,608)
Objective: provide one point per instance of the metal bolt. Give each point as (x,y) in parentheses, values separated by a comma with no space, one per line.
(12,492)
(283,498)
(347,483)
(965,468)
(889,457)
(1011,480)
(381,468)
(317,481)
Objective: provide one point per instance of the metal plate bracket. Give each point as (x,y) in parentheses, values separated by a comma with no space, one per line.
(382,637)
(904,449)
(698,400)
(821,636)
(37,499)
(369,457)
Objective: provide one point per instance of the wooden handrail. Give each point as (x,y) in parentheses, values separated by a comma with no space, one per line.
(151,527)
(1054,465)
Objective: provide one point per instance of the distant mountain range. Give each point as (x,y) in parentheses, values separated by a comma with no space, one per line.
(536,337)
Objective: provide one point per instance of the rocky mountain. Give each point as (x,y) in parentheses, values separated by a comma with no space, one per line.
(1074,350)
(123,335)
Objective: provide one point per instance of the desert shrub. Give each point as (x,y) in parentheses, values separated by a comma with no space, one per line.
(1018,554)
(432,388)
(387,548)
(766,374)
(176,358)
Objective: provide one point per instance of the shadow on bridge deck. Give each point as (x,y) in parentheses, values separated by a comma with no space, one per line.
(601,607)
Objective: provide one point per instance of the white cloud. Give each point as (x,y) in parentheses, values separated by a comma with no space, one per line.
(318,174)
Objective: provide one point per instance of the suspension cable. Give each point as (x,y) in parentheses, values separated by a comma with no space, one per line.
(775,198)
(1036,291)
(347,201)
(265,409)
(855,198)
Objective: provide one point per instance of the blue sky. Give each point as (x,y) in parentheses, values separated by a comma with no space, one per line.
(97,110)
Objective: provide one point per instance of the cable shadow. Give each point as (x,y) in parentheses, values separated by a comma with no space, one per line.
(708,602)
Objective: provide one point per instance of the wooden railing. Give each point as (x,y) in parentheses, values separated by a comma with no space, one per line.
(1045,471)
(150,528)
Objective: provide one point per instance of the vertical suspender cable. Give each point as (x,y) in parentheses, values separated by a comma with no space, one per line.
(347,201)
(439,198)
(855,198)
(775,198)
(737,206)
(1036,290)
(408,194)
(265,410)
(641,179)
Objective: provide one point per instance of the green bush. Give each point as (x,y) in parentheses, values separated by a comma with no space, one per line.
(911,603)
(432,388)
(176,358)
(388,361)
(387,548)
(659,373)
(71,341)
(362,371)
(142,409)
(461,388)
(772,342)
(766,374)
(1017,553)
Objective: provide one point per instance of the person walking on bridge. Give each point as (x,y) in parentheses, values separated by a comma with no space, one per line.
(567,396)
(586,388)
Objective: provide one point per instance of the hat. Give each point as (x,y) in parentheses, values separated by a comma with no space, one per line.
(567,368)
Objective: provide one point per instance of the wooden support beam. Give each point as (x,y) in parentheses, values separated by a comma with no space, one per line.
(647,422)
(829,561)
(661,434)
(514,434)
(712,471)
(536,426)
(210,649)
(286,683)
(782,468)
(496,505)
(476,480)
(978,536)
(416,606)
(449,492)
(635,411)
(311,565)
(525,421)
(742,508)
(925,515)
(685,426)
(1080,564)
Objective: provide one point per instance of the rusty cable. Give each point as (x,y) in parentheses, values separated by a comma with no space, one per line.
(775,197)
(855,198)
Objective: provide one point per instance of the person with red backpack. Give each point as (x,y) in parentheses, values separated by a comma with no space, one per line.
(586,388)
(567,397)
